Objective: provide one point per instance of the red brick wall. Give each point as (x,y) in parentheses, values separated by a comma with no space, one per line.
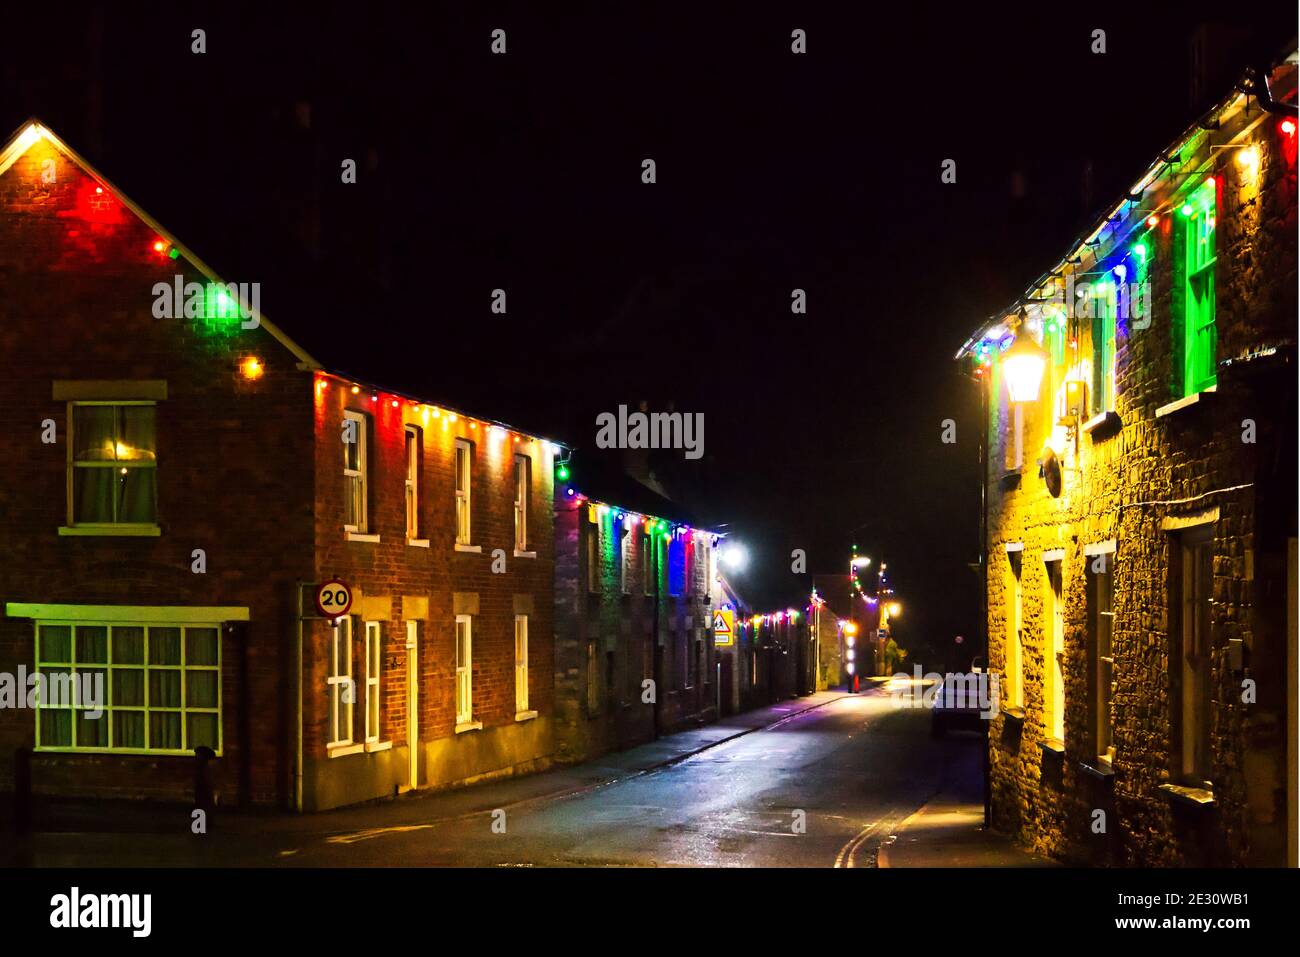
(391,568)
(234,469)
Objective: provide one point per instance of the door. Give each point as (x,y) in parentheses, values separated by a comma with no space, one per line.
(413,703)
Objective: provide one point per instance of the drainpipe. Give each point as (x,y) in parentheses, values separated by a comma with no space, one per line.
(297,688)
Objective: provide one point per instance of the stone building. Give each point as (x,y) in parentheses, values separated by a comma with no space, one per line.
(634,652)
(1141,512)
(179,486)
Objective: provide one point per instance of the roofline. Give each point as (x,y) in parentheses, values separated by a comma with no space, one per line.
(1084,238)
(588,500)
(34,130)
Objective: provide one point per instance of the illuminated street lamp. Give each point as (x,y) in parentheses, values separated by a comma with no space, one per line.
(894,609)
(735,557)
(1023,363)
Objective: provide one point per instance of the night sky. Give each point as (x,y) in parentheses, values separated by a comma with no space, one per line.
(775,171)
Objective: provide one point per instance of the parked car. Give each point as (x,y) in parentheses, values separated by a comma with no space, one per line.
(957,702)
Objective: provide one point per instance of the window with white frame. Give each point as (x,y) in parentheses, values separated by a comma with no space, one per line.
(464,462)
(374,645)
(1101,662)
(521,664)
(625,558)
(112,464)
(1053,651)
(414,445)
(1192,694)
(131,688)
(341,691)
(1013,678)
(355,479)
(523,484)
(464,670)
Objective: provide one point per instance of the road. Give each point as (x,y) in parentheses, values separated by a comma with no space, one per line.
(822,788)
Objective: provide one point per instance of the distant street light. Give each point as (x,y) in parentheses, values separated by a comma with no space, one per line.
(895,609)
(735,557)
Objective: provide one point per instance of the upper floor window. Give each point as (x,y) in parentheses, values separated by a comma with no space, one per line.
(523,485)
(1104,300)
(593,558)
(113,463)
(464,461)
(1199,334)
(647,563)
(414,445)
(355,479)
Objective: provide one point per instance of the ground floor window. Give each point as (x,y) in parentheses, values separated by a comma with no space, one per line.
(593,679)
(521,663)
(341,690)
(464,670)
(133,688)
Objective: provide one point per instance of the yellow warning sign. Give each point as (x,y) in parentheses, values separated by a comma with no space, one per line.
(724,627)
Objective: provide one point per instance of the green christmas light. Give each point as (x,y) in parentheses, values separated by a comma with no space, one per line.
(562,472)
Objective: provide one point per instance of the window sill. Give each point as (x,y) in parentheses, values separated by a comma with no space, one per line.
(1102,425)
(1188,796)
(121,531)
(525,715)
(341,750)
(1015,714)
(520,554)
(1098,769)
(418,542)
(1052,746)
(361,537)
(1184,403)
(469,726)
(373,746)
(470,549)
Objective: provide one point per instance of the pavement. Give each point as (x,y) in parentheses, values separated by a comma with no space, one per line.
(818,781)
(948,831)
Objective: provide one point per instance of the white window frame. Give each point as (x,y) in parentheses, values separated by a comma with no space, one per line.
(374,662)
(413,437)
(359,473)
(339,681)
(464,662)
(521,664)
(1013,603)
(463,468)
(523,488)
(109,666)
(1053,649)
(121,527)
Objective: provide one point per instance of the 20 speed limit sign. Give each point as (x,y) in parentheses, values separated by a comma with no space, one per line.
(333,598)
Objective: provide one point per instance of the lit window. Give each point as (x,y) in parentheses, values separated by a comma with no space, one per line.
(1053,650)
(114,477)
(522,486)
(339,681)
(1101,664)
(373,648)
(1200,336)
(464,671)
(354,471)
(1103,349)
(464,459)
(1013,686)
(521,663)
(129,688)
(414,444)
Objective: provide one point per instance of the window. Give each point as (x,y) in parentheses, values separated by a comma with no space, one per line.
(647,564)
(676,565)
(1100,661)
(1053,650)
(374,646)
(625,558)
(157,687)
(593,558)
(593,678)
(1103,349)
(464,671)
(464,460)
(113,475)
(1200,337)
(342,692)
(523,485)
(693,661)
(1013,680)
(682,660)
(356,514)
(414,448)
(1015,436)
(521,664)
(1193,584)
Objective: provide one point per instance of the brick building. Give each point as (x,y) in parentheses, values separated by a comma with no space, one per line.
(178,486)
(633,604)
(1141,513)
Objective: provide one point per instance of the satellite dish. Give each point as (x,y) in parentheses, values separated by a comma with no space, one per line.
(1049,469)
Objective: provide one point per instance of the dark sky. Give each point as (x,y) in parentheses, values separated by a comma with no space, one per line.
(775,171)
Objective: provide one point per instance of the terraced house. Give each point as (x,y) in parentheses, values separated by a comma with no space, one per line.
(183,478)
(1141,511)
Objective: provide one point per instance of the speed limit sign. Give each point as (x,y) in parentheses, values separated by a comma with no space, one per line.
(333,598)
